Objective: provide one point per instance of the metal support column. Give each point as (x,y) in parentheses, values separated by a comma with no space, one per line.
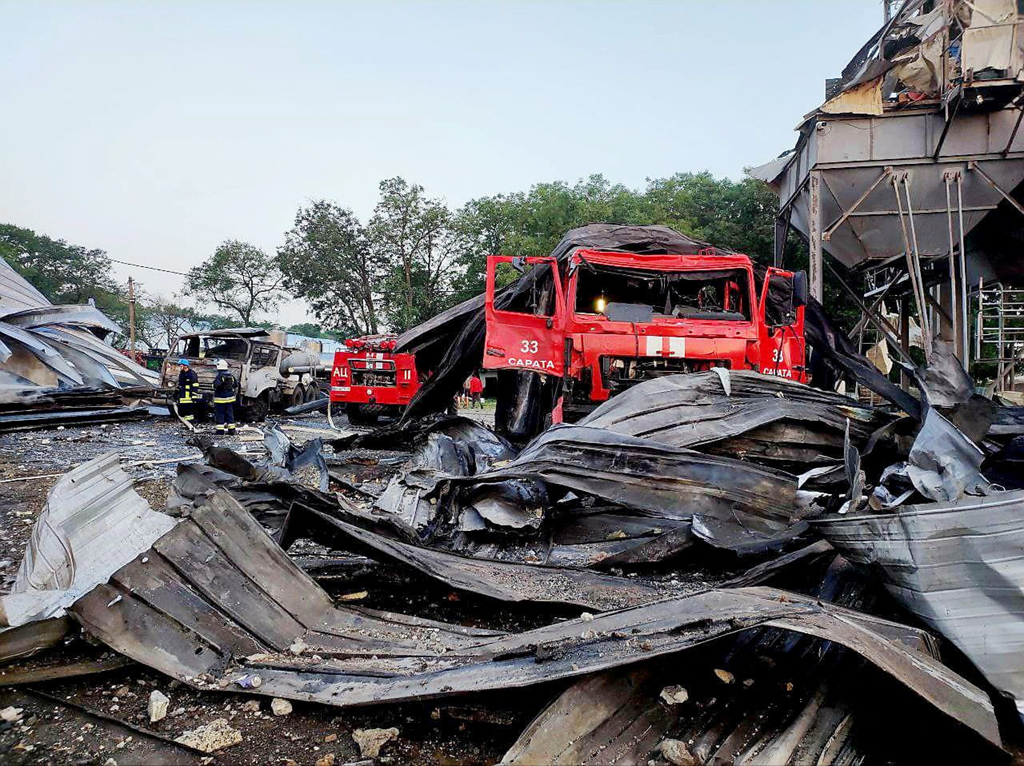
(816,271)
(913,262)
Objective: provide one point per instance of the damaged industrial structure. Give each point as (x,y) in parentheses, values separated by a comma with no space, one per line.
(685,554)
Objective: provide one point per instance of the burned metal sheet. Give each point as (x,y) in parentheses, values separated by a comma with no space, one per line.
(30,421)
(697,409)
(643,475)
(215,599)
(763,696)
(501,580)
(958,566)
(943,463)
(93,524)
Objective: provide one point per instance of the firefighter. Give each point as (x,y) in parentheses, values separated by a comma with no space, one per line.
(188,391)
(224,386)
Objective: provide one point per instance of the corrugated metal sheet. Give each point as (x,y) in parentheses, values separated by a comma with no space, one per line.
(16,293)
(216,599)
(959,566)
(94,523)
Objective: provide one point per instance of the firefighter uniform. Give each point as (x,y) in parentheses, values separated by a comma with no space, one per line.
(188,391)
(224,399)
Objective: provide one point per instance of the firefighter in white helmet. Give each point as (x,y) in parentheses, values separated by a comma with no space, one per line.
(224,389)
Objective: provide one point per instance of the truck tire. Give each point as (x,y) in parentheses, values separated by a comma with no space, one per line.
(363,414)
(312,392)
(255,410)
(298,396)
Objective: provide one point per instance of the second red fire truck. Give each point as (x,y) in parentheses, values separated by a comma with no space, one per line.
(369,379)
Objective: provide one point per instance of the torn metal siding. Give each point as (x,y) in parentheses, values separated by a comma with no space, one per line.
(216,599)
(641,474)
(16,293)
(959,566)
(697,409)
(93,523)
(502,580)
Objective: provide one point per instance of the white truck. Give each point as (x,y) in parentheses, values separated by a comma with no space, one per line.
(270,374)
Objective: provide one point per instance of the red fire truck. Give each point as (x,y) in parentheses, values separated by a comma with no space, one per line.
(604,321)
(371,380)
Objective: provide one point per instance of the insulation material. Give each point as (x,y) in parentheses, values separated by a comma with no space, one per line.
(865,98)
(879,356)
(991,41)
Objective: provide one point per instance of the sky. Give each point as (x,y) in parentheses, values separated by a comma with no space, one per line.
(156,130)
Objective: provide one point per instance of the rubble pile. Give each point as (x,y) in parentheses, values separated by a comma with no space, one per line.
(716,566)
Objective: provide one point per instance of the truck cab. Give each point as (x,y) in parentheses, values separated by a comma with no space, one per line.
(604,321)
(269,374)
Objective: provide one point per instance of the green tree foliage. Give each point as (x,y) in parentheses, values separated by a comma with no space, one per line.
(416,256)
(326,259)
(417,242)
(64,273)
(238,278)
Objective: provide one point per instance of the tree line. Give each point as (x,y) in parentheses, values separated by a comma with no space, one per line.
(412,258)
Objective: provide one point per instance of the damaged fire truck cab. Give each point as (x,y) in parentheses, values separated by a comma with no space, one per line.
(604,321)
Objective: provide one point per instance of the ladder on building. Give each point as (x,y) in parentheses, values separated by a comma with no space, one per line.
(999,339)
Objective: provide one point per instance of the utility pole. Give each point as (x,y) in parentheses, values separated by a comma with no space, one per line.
(131,315)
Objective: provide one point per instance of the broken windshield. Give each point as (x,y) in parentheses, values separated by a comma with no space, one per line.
(721,294)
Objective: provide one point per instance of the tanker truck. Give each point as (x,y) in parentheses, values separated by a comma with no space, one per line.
(270,374)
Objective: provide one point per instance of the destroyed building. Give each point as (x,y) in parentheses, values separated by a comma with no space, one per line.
(910,174)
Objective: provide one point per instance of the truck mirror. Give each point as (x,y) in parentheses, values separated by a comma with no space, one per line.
(800,288)
(519,264)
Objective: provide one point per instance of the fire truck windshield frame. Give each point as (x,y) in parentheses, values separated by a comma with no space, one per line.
(711,294)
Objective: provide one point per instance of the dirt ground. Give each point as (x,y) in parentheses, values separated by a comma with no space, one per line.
(102,718)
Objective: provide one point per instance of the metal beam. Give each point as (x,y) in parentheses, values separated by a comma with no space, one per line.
(827,235)
(880,322)
(974,166)
(913,263)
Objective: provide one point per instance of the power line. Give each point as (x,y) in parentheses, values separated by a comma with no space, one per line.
(179,273)
(151,268)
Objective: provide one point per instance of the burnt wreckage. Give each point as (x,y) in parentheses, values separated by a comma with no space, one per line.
(716,566)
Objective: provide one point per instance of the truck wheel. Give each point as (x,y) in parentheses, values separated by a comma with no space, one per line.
(298,396)
(255,410)
(312,392)
(362,414)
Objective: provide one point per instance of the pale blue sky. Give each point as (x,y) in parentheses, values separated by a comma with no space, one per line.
(155,130)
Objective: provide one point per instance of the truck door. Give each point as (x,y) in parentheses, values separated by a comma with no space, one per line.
(525,327)
(783,348)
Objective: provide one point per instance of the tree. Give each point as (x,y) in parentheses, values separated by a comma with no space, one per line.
(308,329)
(238,278)
(64,273)
(160,322)
(417,241)
(326,260)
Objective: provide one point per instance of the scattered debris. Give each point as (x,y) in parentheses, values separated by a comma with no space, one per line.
(211,737)
(674,695)
(157,707)
(676,753)
(725,676)
(371,741)
(280,707)
(11,714)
